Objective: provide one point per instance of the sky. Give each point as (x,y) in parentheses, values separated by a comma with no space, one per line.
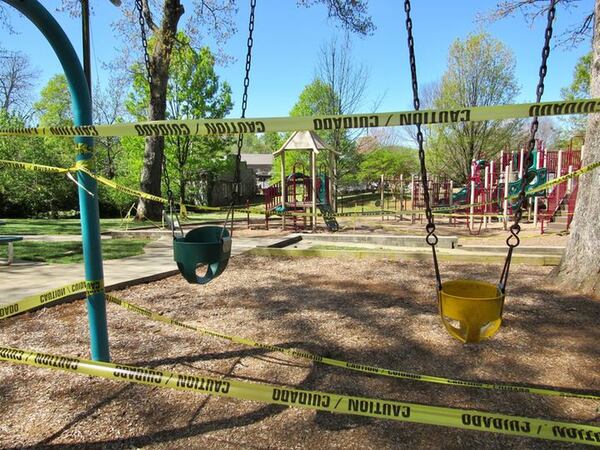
(287,40)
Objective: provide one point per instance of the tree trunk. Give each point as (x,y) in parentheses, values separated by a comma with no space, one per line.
(159,66)
(579,268)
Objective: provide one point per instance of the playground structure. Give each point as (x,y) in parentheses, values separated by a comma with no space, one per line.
(484,197)
(298,196)
(308,190)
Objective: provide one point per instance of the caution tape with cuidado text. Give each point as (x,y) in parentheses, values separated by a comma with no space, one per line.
(204,127)
(344,364)
(93,287)
(466,419)
(49,297)
(80,166)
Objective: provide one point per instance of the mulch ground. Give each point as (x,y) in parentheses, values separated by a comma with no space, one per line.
(380,313)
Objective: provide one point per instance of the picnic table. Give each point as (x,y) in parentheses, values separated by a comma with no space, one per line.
(9,240)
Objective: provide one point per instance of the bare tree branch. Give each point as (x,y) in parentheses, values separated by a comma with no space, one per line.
(532,10)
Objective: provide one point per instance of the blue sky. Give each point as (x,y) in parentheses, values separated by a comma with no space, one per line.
(287,42)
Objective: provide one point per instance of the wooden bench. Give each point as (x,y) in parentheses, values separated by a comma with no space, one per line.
(9,240)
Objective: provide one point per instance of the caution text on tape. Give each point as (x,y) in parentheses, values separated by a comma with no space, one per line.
(465,419)
(203,127)
(373,370)
(49,297)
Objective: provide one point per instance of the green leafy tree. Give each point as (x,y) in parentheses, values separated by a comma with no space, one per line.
(54,107)
(212,16)
(194,91)
(480,72)
(29,194)
(315,99)
(391,162)
(578,89)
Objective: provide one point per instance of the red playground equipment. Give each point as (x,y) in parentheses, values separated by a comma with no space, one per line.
(482,199)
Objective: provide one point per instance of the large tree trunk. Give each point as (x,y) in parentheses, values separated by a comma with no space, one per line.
(579,268)
(150,179)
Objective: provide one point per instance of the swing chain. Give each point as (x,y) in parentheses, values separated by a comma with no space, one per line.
(173,216)
(240,141)
(513,240)
(431,238)
(142,22)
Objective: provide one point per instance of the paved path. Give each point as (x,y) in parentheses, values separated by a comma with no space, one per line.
(26,278)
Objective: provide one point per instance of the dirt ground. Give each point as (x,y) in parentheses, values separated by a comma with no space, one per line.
(380,313)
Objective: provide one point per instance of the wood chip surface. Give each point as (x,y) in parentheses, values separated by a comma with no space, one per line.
(381,313)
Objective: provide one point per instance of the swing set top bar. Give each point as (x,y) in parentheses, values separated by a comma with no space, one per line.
(204,127)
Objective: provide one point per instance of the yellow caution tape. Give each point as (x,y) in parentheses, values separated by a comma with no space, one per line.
(32,166)
(466,419)
(46,298)
(347,365)
(80,166)
(92,287)
(203,127)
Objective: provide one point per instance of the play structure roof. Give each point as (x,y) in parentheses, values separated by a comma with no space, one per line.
(303,140)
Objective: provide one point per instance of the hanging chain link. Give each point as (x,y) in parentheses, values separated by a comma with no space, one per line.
(139,6)
(513,240)
(431,239)
(173,216)
(240,141)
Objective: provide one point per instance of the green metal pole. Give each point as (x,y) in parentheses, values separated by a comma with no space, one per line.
(88,204)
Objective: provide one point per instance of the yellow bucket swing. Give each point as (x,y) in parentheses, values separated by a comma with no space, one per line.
(471,310)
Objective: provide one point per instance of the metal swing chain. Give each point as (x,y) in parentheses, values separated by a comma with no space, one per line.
(240,141)
(139,6)
(431,239)
(513,240)
(174,217)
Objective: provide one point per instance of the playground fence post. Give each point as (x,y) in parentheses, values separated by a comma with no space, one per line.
(283,190)
(538,164)
(521,162)
(381,196)
(486,195)
(472,196)
(507,174)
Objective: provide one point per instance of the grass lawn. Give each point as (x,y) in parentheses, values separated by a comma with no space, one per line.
(59,226)
(73,226)
(72,252)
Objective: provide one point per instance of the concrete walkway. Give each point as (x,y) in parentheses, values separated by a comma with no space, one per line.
(25,278)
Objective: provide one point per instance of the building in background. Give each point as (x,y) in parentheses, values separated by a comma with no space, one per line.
(262,165)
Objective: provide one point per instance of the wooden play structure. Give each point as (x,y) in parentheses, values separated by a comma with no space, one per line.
(299,197)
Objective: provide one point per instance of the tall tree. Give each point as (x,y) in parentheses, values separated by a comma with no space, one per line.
(54,106)
(214,16)
(580,264)
(17,80)
(389,161)
(481,72)
(28,194)
(347,82)
(579,268)
(194,90)
(109,107)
